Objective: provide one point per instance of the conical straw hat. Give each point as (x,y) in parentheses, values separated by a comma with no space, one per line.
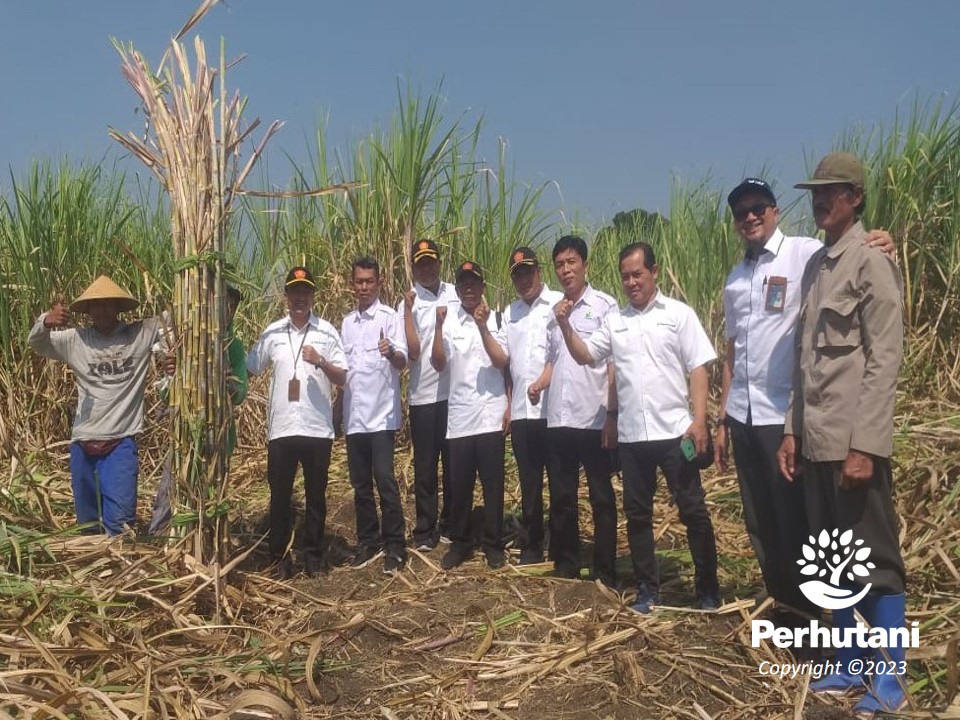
(103,288)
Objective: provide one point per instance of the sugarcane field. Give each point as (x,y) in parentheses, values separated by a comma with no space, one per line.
(396,439)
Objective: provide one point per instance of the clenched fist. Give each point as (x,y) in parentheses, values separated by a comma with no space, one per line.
(408,300)
(441,314)
(562,310)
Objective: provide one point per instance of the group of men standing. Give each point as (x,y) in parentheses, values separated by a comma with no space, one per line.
(814,343)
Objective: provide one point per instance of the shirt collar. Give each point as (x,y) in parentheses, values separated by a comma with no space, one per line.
(851,236)
(313,321)
(656,301)
(421,290)
(587,295)
(370,311)
(772,246)
(542,296)
(463,314)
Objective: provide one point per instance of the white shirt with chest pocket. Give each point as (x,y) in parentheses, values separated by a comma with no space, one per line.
(653,352)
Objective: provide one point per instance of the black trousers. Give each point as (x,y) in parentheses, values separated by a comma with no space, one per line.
(866,510)
(428,433)
(639,463)
(283,456)
(469,457)
(773,510)
(569,449)
(529,441)
(369,460)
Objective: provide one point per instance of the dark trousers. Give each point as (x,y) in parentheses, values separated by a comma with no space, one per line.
(569,449)
(639,463)
(866,510)
(471,456)
(369,460)
(283,456)
(529,441)
(773,510)
(428,432)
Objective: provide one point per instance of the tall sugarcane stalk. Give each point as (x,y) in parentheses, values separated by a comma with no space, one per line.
(192,144)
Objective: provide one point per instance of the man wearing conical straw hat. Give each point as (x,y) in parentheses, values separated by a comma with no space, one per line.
(110,360)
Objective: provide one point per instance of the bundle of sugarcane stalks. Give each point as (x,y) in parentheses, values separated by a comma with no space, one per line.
(192,144)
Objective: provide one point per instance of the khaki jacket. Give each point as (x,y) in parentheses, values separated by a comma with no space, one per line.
(849,346)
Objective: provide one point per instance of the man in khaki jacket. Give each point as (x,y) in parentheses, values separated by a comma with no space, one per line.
(840,420)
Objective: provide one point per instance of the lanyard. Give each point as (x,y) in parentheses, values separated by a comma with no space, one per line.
(300,349)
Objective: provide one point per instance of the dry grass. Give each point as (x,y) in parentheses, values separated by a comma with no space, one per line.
(97,628)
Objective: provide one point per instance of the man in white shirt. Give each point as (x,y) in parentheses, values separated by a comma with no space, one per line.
(526,321)
(761,304)
(376,351)
(427,394)
(308,360)
(581,423)
(655,343)
(469,344)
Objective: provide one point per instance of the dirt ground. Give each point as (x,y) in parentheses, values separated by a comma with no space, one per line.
(417,645)
(422,644)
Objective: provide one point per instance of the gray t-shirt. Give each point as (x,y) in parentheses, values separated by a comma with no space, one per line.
(111,372)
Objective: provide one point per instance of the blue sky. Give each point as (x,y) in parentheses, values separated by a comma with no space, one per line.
(611,100)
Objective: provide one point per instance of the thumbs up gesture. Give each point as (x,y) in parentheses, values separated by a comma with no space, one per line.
(481,313)
(408,299)
(58,316)
(441,315)
(385,346)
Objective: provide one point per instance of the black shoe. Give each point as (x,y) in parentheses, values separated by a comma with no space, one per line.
(393,562)
(531,556)
(283,569)
(455,556)
(708,602)
(567,572)
(425,544)
(495,558)
(364,555)
(313,568)
(645,601)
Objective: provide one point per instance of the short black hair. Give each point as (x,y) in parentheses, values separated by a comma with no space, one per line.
(649,259)
(234,296)
(366,263)
(571,242)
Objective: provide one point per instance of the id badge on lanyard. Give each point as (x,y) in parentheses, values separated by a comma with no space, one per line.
(776,295)
(293,387)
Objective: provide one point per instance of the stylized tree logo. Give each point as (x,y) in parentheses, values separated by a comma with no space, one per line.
(833,552)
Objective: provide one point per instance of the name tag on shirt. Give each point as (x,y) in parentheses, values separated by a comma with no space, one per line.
(293,390)
(776,293)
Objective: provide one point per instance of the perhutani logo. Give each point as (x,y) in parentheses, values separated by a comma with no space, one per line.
(834,556)
(834,552)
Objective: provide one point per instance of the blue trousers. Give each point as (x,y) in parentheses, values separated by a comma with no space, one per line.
(105,488)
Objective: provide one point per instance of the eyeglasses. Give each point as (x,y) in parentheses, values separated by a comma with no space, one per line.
(759,210)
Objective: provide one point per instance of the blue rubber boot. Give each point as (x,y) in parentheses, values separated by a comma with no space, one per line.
(843,682)
(886,695)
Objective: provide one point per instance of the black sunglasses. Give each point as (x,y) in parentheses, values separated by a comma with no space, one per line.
(741,213)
